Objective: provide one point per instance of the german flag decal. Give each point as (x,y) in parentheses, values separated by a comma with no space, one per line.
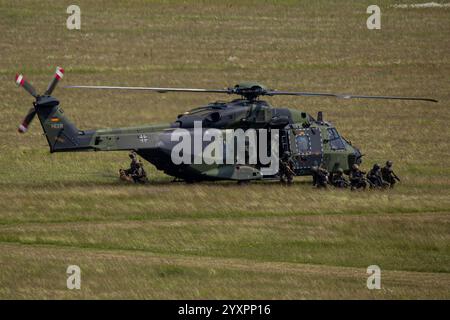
(54,119)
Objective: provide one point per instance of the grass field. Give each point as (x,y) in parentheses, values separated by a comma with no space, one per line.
(221,240)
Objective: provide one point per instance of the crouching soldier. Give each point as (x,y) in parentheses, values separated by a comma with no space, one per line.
(135,173)
(320,177)
(140,176)
(286,169)
(357,179)
(133,165)
(375,178)
(388,175)
(338,179)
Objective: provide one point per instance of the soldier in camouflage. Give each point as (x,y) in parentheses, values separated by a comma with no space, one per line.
(338,179)
(320,177)
(388,174)
(286,169)
(139,176)
(133,165)
(357,179)
(136,172)
(375,178)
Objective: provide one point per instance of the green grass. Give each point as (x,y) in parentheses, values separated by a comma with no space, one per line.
(221,240)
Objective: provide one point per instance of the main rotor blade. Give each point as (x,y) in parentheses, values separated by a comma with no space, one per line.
(59,74)
(22,82)
(386,98)
(27,120)
(159,90)
(264,93)
(342,96)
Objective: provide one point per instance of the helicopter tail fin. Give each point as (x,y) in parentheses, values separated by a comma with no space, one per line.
(61,133)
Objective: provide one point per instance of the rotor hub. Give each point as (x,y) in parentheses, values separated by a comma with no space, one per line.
(249,90)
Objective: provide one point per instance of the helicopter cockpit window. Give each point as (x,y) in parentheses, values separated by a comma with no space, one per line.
(335,139)
(260,113)
(303,143)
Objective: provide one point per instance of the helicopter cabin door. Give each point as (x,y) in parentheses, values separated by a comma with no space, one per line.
(306,148)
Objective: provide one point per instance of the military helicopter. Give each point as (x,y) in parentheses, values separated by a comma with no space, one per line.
(310,141)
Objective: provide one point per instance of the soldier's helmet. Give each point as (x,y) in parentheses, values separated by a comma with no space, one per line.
(376,166)
(286,154)
(340,170)
(389,163)
(355,166)
(132,155)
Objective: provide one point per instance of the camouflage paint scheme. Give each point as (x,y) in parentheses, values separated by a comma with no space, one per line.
(311,142)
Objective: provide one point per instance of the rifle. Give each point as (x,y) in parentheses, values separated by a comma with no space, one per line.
(344,182)
(287,166)
(395,176)
(370,183)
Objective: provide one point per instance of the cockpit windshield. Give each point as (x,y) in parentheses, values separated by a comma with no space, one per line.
(335,139)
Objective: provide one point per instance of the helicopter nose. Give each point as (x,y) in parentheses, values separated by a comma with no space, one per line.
(358,156)
(354,157)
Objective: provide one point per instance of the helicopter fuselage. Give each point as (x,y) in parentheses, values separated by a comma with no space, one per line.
(311,142)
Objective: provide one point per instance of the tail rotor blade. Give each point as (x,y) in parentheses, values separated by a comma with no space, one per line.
(59,73)
(27,120)
(22,82)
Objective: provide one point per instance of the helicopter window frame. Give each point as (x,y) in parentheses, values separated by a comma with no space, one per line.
(301,146)
(335,140)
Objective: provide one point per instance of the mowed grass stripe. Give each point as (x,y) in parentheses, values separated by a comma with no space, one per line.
(414,242)
(121,274)
(211,220)
(169,201)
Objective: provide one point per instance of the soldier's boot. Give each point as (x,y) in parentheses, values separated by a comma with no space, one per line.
(124,177)
(364,185)
(372,183)
(290,180)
